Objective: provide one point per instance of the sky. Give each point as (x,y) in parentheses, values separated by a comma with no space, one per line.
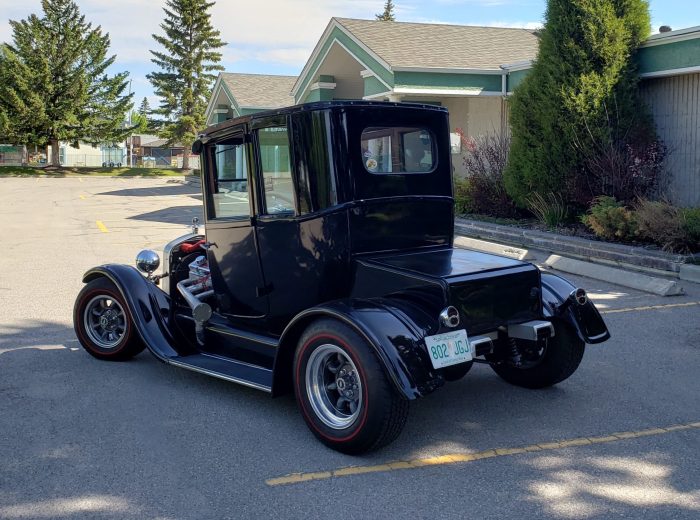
(277,36)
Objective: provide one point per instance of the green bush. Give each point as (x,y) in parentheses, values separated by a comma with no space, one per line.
(691,224)
(579,102)
(463,197)
(611,220)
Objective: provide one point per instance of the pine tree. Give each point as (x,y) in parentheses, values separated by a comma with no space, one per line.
(579,99)
(54,82)
(145,108)
(184,83)
(388,14)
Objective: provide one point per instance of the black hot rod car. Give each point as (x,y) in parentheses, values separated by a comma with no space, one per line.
(328,268)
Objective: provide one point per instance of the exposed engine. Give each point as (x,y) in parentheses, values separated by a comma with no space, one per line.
(197,288)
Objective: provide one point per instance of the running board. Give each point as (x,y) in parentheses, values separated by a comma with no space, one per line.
(227,369)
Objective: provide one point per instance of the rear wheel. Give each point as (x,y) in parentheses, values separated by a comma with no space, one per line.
(103,324)
(545,364)
(343,392)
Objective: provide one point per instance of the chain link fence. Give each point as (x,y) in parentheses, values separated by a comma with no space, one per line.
(113,158)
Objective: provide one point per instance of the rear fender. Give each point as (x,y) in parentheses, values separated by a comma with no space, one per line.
(558,303)
(395,337)
(149,307)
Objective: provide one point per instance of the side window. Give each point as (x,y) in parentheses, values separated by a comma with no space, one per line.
(230,194)
(276,170)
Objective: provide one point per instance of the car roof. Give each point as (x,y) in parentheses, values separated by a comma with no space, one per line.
(308,107)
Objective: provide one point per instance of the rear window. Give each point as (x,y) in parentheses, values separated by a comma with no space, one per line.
(387,150)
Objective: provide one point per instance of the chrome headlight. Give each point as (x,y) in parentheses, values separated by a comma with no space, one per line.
(147,261)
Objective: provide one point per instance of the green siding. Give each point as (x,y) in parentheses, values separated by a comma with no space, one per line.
(340,36)
(516,78)
(669,56)
(313,95)
(324,78)
(374,86)
(246,111)
(489,82)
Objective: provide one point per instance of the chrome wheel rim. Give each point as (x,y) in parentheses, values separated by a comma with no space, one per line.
(105,321)
(333,386)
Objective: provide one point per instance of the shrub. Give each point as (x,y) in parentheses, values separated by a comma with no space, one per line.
(691,224)
(485,159)
(551,210)
(674,229)
(611,220)
(584,72)
(463,199)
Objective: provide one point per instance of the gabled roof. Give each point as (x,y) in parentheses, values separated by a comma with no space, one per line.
(260,90)
(405,45)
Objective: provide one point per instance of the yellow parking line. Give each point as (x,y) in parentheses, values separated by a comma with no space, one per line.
(101,226)
(651,307)
(442,460)
(83,197)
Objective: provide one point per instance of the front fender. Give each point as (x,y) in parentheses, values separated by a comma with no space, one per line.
(585,319)
(149,307)
(395,337)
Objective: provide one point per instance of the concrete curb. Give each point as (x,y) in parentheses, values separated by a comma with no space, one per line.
(593,250)
(641,282)
(491,247)
(690,273)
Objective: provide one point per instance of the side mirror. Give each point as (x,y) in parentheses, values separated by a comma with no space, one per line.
(197,147)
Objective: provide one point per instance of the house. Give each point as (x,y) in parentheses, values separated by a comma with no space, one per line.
(471,71)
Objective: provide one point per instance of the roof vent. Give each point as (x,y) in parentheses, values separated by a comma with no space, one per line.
(665,29)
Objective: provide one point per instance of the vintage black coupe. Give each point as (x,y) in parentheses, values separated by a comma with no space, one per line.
(328,268)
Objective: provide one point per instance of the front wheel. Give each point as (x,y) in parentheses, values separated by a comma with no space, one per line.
(103,324)
(546,364)
(343,392)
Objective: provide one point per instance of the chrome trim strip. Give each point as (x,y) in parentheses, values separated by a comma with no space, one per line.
(236,361)
(221,376)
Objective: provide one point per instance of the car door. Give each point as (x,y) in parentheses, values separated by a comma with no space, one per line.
(233,255)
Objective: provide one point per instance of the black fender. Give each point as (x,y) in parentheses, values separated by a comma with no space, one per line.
(395,337)
(559,303)
(149,307)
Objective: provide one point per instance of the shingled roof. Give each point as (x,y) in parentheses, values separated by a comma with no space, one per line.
(425,45)
(260,90)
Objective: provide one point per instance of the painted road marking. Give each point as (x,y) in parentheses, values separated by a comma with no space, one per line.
(442,460)
(82,196)
(651,307)
(101,226)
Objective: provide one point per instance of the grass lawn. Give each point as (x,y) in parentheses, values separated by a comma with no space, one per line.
(28,171)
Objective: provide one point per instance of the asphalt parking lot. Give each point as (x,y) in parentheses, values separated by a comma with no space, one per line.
(81,438)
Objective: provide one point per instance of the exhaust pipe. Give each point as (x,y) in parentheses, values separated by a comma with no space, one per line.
(193,293)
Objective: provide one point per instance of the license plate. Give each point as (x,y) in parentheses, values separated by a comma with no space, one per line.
(450,348)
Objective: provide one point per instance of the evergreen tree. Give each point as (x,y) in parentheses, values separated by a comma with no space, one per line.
(579,99)
(189,58)
(145,108)
(54,85)
(388,14)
